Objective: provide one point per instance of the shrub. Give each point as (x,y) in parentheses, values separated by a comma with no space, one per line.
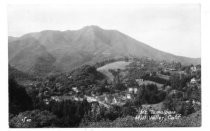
(32,119)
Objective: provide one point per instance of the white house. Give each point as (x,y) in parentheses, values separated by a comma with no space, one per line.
(75,89)
(130,90)
(135,90)
(46,101)
(55,98)
(193,81)
(128,96)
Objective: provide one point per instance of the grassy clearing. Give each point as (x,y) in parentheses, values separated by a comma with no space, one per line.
(114,66)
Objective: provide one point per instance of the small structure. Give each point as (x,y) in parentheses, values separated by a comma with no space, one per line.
(75,89)
(46,101)
(130,90)
(55,98)
(140,81)
(78,98)
(133,90)
(193,68)
(46,93)
(25,119)
(114,101)
(193,81)
(128,96)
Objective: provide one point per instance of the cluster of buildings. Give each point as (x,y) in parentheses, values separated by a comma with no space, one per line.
(71,95)
(117,98)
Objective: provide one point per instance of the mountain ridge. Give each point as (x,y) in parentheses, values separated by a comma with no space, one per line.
(64,50)
(88,28)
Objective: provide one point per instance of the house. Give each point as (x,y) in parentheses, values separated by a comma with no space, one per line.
(91,99)
(28,120)
(55,98)
(46,93)
(25,119)
(140,81)
(114,100)
(193,81)
(75,89)
(130,90)
(193,68)
(128,96)
(118,101)
(133,90)
(78,99)
(46,101)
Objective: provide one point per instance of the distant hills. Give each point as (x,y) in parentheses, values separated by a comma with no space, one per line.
(61,51)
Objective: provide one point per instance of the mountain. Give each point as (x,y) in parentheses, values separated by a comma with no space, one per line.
(42,52)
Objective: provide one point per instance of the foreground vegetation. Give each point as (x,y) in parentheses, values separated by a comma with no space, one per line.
(85,97)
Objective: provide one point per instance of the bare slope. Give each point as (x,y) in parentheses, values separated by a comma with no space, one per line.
(114,66)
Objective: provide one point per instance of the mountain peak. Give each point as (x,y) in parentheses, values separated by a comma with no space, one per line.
(65,51)
(92,27)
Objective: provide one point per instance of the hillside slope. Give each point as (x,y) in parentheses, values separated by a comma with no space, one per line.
(112,66)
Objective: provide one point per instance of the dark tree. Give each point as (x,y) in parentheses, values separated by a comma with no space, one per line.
(19,100)
(149,94)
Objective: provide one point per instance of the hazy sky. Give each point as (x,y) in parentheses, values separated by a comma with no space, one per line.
(171,28)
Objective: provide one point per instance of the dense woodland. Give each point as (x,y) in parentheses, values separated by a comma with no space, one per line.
(28,95)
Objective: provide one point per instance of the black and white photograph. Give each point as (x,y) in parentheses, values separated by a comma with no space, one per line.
(104,66)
